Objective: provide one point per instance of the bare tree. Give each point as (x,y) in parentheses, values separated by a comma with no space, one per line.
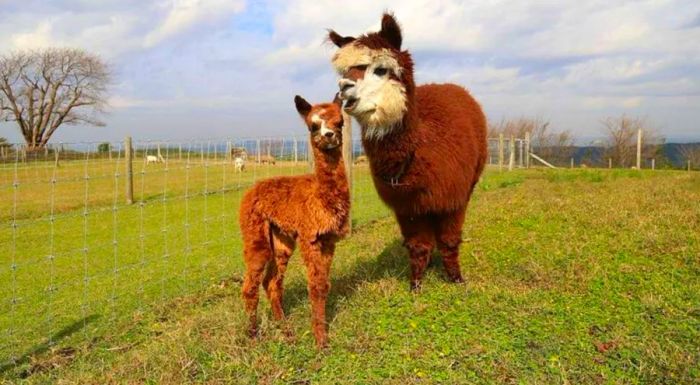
(621,140)
(691,153)
(42,90)
(519,126)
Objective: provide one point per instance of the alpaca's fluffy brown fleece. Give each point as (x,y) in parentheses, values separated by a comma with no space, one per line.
(438,150)
(311,210)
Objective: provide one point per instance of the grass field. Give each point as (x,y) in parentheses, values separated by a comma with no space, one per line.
(573,276)
(81,260)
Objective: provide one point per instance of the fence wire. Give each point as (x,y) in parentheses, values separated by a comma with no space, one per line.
(77,258)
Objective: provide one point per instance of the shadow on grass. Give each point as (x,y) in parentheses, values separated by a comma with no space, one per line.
(43,347)
(391,262)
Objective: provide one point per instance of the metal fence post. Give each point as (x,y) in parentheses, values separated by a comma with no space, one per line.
(55,151)
(501,154)
(511,158)
(520,158)
(639,149)
(527,149)
(128,158)
(296,151)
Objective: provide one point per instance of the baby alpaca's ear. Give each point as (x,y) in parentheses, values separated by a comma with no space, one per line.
(303,107)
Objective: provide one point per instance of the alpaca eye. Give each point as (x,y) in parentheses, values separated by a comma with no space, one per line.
(380,71)
(314,127)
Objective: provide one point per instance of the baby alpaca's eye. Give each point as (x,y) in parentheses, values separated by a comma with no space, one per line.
(380,71)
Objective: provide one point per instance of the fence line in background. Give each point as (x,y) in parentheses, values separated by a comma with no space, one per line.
(97,231)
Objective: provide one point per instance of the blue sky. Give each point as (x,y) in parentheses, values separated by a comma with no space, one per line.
(230,68)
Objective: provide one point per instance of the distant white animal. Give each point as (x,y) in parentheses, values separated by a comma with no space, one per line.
(239,164)
(154,159)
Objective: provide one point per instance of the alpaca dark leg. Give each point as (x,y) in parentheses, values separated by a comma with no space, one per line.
(273,283)
(318,257)
(449,237)
(419,239)
(257,253)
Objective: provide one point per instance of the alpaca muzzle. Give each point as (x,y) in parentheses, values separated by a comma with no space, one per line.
(348,91)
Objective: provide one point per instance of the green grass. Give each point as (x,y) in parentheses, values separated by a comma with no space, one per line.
(574,276)
(82,260)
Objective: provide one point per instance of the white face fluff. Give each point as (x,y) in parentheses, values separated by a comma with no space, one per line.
(378,102)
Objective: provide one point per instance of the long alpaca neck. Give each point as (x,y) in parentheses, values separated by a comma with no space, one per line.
(329,170)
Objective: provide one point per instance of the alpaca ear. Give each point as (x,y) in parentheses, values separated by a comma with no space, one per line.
(338,40)
(303,107)
(391,32)
(337,100)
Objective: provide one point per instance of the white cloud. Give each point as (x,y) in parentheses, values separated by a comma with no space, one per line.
(603,102)
(573,61)
(37,38)
(111,28)
(183,14)
(523,28)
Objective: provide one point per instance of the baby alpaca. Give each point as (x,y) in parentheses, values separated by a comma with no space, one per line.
(311,210)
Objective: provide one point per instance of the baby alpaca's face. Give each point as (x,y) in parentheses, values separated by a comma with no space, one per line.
(325,122)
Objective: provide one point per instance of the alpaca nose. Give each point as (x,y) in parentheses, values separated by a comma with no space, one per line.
(329,134)
(345,85)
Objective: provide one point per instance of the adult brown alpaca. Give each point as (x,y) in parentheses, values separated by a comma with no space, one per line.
(426,145)
(309,209)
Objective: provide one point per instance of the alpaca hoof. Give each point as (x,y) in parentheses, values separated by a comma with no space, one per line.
(322,345)
(253,332)
(457,279)
(287,332)
(416,286)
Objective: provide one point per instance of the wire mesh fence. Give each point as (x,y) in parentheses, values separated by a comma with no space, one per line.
(508,153)
(78,257)
(81,250)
